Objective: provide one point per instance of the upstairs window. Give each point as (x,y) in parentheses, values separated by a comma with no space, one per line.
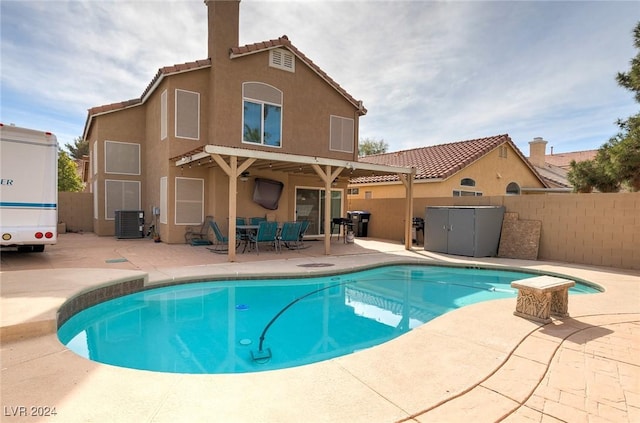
(121,158)
(341,132)
(163,115)
(94,158)
(282,59)
(187,114)
(261,114)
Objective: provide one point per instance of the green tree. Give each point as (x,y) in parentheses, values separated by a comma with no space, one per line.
(589,174)
(620,156)
(631,80)
(68,178)
(618,160)
(625,146)
(369,146)
(79,148)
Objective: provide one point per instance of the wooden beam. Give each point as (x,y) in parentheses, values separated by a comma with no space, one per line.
(223,165)
(244,166)
(297,159)
(233,171)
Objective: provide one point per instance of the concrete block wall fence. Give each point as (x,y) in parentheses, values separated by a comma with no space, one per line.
(601,229)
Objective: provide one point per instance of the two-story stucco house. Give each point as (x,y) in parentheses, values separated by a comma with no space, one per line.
(205,135)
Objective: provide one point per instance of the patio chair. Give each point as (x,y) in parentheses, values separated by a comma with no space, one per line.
(304,225)
(198,235)
(267,233)
(290,235)
(257,220)
(221,242)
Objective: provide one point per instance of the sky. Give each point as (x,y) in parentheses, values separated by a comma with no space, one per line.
(428,72)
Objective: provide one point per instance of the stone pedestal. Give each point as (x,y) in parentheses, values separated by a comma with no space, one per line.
(542,296)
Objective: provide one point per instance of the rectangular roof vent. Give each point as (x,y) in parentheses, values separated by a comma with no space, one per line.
(282,59)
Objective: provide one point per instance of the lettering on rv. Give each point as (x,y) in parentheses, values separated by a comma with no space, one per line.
(6,181)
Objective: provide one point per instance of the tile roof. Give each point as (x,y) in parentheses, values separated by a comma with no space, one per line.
(564,159)
(285,43)
(554,175)
(438,161)
(167,70)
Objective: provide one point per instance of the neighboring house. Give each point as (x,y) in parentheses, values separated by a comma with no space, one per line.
(484,166)
(554,167)
(203,133)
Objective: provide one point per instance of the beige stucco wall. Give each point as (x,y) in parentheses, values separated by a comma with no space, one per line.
(129,127)
(593,229)
(307,104)
(75,210)
(159,151)
(491,172)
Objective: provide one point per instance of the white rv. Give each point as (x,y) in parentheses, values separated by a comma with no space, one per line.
(28,188)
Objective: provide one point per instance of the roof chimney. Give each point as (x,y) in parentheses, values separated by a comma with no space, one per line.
(224,28)
(537,151)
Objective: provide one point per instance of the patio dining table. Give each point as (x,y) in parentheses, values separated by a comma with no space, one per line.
(250,229)
(246,230)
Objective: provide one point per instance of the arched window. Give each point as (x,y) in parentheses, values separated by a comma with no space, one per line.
(467,182)
(513,189)
(262,114)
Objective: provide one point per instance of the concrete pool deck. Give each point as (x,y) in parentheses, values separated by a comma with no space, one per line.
(478,363)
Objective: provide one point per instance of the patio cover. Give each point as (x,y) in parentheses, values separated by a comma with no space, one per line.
(234,161)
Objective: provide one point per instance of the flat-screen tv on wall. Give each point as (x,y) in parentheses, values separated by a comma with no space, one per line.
(267,193)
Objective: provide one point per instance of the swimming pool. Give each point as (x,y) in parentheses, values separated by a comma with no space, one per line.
(254,325)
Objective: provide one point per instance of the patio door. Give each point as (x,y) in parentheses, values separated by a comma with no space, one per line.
(310,206)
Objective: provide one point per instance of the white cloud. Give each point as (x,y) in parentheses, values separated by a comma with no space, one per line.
(428,72)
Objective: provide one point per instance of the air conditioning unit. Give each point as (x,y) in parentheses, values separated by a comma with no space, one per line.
(129,224)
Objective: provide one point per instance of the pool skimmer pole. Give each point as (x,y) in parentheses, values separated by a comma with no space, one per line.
(265,354)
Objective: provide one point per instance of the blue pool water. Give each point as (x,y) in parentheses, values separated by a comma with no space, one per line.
(256,325)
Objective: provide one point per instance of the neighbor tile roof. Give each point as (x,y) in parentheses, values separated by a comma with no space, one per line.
(564,159)
(284,42)
(554,175)
(438,161)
